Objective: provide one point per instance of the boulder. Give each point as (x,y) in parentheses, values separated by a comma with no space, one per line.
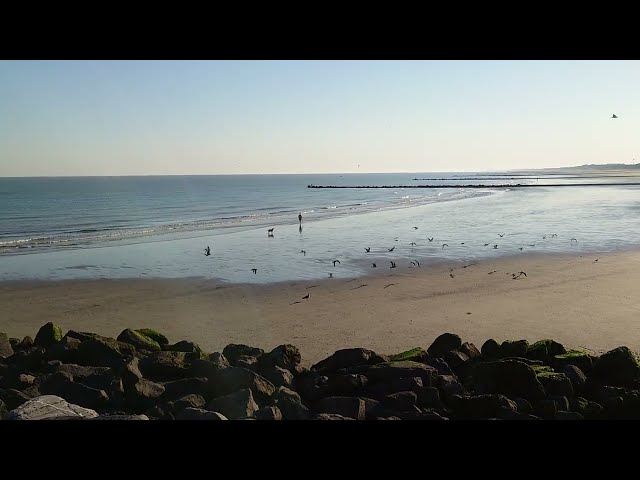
(396,385)
(153,335)
(283,356)
(523,405)
(545,350)
(120,417)
(130,372)
(483,407)
(516,348)
(165,365)
(138,340)
(441,366)
(235,405)
(99,351)
(580,359)
(545,409)
(219,359)
(13,398)
(562,402)
(279,377)
(48,334)
(443,344)
(386,372)
(185,346)
(49,406)
(65,350)
(343,385)
(186,386)
(346,406)
(250,363)
(616,367)
(26,343)
(400,402)
(449,385)
(234,351)
(417,354)
(143,395)
(428,397)
(61,384)
(507,377)
(556,384)
(470,350)
(491,349)
(348,358)
(231,379)
(199,414)
(455,359)
(575,375)
(16,380)
(189,401)
(268,413)
(373,409)
(292,409)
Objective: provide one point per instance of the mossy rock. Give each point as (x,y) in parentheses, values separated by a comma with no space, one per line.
(48,334)
(153,335)
(139,340)
(553,348)
(579,358)
(417,354)
(542,370)
(517,348)
(185,346)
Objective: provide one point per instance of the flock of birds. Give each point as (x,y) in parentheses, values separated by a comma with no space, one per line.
(412,263)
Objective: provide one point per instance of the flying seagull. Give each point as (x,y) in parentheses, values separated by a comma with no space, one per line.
(367,249)
(336,261)
(430,239)
(415,228)
(413,244)
(444,245)
(391,249)
(254,270)
(307,296)
(501,235)
(614,116)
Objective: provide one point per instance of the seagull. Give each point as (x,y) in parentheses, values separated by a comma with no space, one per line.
(515,277)
(415,228)
(373,265)
(330,275)
(254,270)
(532,244)
(574,240)
(336,261)
(413,244)
(520,248)
(595,260)
(544,237)
(307,296)
(501,235)
(304,251)
(391,249)
(430,239)
(554,235)
(444,245)
(495,246)
(367,249)
(270,230)
(451,275)
(415,263)
(393,264)
(486,244)
(614,116)
(207,252)
(462,243)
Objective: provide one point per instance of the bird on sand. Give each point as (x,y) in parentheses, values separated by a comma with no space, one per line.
(373,265)
(270,230)
(614,116)
(304,251)
(367,249)
(336,261)
(495,246)
(514,276)
(330,275)
(520,248)
(486,244)
(501,235)
(451,275)
(574,240)
(415,263)
(415,228)
(393,264)
(307,296)
(254,270)
(532,244)
(391,249)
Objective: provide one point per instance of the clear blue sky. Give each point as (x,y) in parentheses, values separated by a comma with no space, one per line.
(209,117)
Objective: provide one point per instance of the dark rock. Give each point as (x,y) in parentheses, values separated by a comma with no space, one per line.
(185,346)
(13,398)
(284,392)
(616,367)
(420,416)
(443,344)
(556,384)
(16,380)
(158,412)
(129,351)
(546,408)
(3,410)
(483,406)
(523,405)
(441,366)
(48,334)
(343,385)
(564,415)
(396,385)
(65,351)
(373,409)
(138,340)
(48,406)
(508,377)
(189,401)
(121,417)
(61,384)
(347,358)
(31,360)
(268,413)
(582,360)
(455,359)
(278,376)
(428,397)
(562,402)
(545,350)
(331,416)
(199,414)
(346,406)
(185,386)
(292,409)
(470,350)
(234,351)
(153,335)
(516,348)
(143,395)
(250,363)
(525,416)
(283,356)
(130,372)
(219,359)
(401,402)
(235,405)
(414,355)
(26,343)
(232,379)
(388,418)
(589,410)
(386,372)
(165,365)
(449,385)
(575,375)
(311,385)
(491,349)
(99,351)
(206,368)
(14,342)
(80,371)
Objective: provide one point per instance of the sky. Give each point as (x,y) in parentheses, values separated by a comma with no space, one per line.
(67,118)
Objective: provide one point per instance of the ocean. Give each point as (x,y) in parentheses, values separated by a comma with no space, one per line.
(123,227)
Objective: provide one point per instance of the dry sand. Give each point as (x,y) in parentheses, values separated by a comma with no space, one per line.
(574,300)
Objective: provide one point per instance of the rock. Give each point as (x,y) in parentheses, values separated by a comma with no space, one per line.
(589,410)
(3,410)
(186,386)
(206,368)
(26,343)
(562,402)
(346,406)
(283,356)
(292,409)
(284,392)
(129,351)
(373,409)
(428,397)
(14,342)
(250,363)
(525,416)
(6,350)
(564,415)
(231,379)
(483,407)
(185,346)
(331,416)
(443,344)
(491,349)
(153,335)
(268,413)
(386,372)
(616,367)
(120,417)
(396,385)
(139,340)
(507,377)
(19,381)
(556,384)
(48,334)
(441,366)
(414,355)
(582,360)
(143,395)
(13,398)
(199,414)
(348,358)
(161,412)
(523,405)
(49,406)
(420,416)
(401,402)
(189,401)
(130,372)
(219,359)
(386,418)
(545,350)
(343,385)
(516,348)
(80,371)
(65,350)
(61,384)
(235,405)
(455,359)
(165,365)
(234,351)
(470,350)
(546,408)
(99,351)
(449,385)
(575,375)
(278,376)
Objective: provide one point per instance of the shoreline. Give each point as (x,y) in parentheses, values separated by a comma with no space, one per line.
(570,298)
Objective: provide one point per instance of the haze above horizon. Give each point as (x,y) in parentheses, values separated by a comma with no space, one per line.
(116,118)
